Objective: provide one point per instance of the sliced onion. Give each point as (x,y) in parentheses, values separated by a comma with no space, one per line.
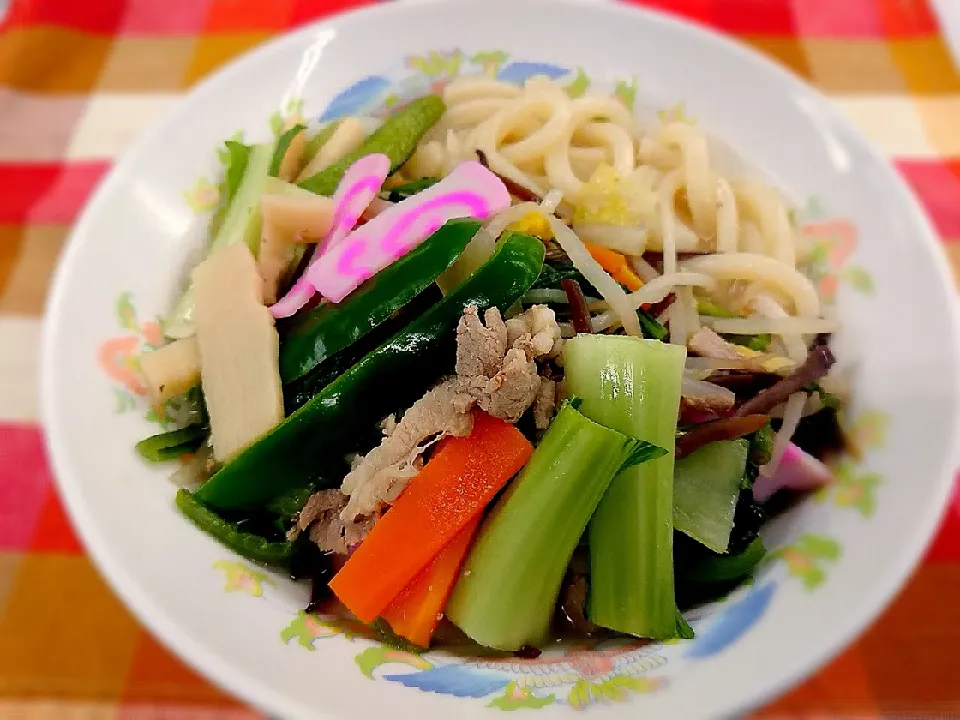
(701,392)
(596,276)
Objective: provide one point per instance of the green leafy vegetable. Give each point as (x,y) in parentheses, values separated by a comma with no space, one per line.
(632,386)
(505,600)
(706,485)
(713,568)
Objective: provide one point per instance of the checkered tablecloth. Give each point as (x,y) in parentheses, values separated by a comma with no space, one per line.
(79,79)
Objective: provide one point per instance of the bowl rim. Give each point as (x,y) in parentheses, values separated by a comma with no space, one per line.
(258,693)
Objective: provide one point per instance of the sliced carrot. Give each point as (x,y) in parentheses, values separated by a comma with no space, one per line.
(450,492)
(416,611)
(615,264)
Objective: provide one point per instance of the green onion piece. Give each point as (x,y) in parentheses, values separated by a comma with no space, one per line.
(633,386)
(507,590)
(706,485)
(651,328)
(171,445)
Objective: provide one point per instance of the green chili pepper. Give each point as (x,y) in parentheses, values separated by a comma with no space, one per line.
(253,547)
(397,138)
(390,378)
(330,328)
(171,445)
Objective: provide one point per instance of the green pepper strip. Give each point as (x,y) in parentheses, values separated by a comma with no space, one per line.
(247,544)
(397,138)
(330,328)
(171,445)
(388,379)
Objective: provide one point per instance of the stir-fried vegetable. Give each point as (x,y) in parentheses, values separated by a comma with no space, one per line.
(506,593)
(174,444)
(707,568)
(251,546)
(390,378)
(241,223)
(397,138)
(171,370)
(706,485)
(402,192)
(615,264)
(415,612)
(328,329)
(632,386)
(238,348)
(447,496)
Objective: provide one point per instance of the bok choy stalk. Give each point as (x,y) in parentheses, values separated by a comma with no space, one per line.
(508,587)
(633,386)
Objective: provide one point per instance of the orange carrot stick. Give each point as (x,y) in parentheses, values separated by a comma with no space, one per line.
(415,612)
(615,264)
(451,491)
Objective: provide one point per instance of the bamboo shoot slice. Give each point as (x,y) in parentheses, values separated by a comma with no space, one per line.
(289,220)
(171,370)
(239,351)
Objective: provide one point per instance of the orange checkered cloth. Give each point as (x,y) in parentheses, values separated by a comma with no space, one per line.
(79,80)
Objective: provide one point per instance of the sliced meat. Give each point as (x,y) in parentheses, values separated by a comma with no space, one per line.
(496,371)
(383,473)
(545,404)
(480,348)
(321,516)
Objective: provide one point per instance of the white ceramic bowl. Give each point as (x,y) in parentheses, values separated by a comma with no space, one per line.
(839,557)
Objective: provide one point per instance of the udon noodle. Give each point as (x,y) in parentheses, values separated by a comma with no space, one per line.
(687,230)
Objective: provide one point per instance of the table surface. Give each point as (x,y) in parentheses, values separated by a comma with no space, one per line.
(79,80)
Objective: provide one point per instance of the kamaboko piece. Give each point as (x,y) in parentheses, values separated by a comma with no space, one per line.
(239,350)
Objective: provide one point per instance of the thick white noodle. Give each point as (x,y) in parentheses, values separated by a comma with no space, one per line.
(745,248)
